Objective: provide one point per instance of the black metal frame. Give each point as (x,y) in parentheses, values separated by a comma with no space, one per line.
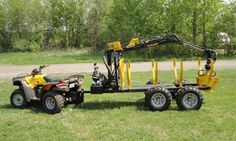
(143,88)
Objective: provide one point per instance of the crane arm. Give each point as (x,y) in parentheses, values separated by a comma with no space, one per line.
(114,53)
(135,44)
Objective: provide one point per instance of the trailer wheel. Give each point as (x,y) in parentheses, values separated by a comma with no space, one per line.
(150,82)
(189,98)
(183,82)
(18,99)
(158,98)
(52,102)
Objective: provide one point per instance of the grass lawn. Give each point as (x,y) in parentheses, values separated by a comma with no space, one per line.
(123,116)
(50,57)
(68,56)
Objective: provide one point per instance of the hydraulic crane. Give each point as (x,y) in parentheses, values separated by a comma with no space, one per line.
(157,96)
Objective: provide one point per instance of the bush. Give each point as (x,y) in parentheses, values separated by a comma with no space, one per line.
(24,45)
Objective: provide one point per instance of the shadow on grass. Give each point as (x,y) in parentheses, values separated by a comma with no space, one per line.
(139,104)
(35,107)
(6,106)
(95,105)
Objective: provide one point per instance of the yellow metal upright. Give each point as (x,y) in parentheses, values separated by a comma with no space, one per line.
(128,71)
(121,71)
(175,70)
(156,73)
(181,74)
(153,71)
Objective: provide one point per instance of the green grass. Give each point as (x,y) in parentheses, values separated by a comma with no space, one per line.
(50,57)
(123,116)
(68,56)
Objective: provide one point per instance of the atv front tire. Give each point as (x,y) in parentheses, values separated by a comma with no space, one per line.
(18,99)
(53,102)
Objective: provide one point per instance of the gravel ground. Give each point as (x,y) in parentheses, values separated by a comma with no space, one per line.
(9,71)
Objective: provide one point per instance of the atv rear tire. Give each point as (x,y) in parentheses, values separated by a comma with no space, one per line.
(158,98)
(18,99)
(53,102)
(189,98)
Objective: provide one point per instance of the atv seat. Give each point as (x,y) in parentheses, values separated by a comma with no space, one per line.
(50,79)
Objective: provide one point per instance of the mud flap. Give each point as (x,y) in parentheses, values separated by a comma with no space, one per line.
(29,92)
(80,98)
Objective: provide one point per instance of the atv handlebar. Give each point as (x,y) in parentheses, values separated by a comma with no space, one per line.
(38,70)
(43,66)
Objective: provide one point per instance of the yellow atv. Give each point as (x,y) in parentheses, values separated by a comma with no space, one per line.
(52,93)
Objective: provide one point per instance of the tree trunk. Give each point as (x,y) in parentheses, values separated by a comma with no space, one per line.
(204,40)
(194,26)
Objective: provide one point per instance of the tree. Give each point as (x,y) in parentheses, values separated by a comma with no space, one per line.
(226,22)
(28,25)
(95,15)
(64,23)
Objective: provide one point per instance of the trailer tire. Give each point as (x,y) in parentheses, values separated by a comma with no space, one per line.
(183,82)
(189,98)
(158,98)
(53,102)
(150,82)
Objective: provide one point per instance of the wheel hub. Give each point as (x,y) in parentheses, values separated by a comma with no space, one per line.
(50,103)
(158,100)
(190,100)
(18,100)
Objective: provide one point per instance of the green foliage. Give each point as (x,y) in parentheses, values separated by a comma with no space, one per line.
(61,56)
(227,23)
(43,24)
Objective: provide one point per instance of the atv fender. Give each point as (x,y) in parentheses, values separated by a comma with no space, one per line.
(29,92)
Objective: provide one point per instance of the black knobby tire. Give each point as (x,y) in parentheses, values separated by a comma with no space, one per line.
(53,102)
(18,99)
(158,98)
(189,98)
(150,82)
(183,82)
(80,98)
